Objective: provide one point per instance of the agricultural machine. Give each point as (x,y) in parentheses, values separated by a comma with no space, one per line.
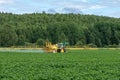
(55,48)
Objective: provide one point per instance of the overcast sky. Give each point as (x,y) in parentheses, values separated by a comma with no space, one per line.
(98,7)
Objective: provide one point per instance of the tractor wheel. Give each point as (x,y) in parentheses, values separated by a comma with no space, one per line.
(58,50)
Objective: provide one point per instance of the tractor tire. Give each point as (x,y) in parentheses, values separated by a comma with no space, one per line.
(58,50)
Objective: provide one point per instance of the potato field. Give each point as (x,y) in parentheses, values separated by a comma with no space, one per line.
(99,64)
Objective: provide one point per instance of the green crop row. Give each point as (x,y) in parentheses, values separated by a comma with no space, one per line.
(75,65)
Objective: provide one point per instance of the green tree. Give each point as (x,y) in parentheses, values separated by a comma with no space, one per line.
(62,38)
(79,44)
(21,40)
(40,42)
(8,36)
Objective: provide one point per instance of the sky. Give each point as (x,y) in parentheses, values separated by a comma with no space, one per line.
(109,8)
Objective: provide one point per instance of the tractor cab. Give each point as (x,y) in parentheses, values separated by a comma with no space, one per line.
(61,47)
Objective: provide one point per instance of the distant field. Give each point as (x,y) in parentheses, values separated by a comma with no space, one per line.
(99,64)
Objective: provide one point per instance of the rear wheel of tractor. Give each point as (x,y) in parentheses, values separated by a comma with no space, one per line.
(58,50)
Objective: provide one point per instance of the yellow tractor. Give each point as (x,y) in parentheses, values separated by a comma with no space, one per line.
(59,47)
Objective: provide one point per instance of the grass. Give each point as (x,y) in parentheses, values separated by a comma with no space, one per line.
(99,64)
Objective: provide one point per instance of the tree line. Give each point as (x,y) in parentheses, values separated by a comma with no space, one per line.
(77,29)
